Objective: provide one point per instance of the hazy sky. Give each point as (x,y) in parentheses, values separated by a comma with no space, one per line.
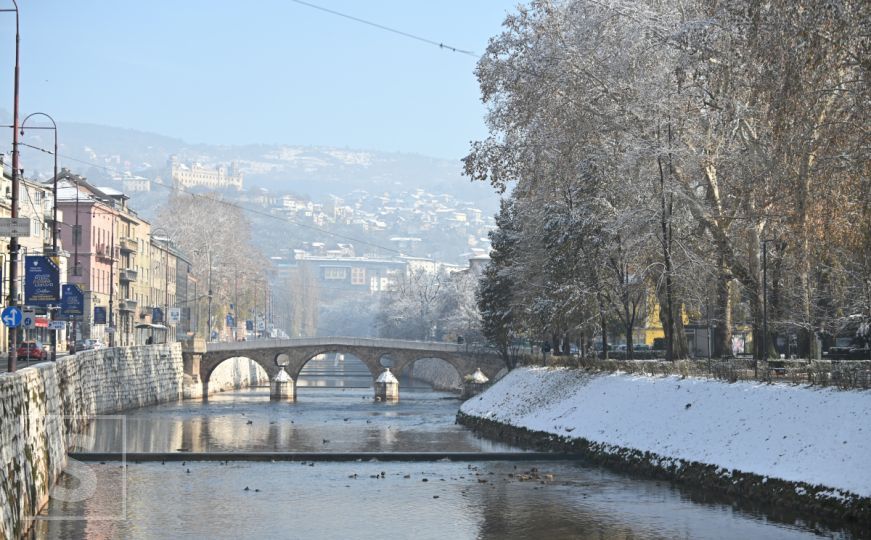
(266,71)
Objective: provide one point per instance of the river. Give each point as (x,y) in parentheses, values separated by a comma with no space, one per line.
(365,499)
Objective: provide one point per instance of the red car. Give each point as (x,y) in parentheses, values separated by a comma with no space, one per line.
(31,350)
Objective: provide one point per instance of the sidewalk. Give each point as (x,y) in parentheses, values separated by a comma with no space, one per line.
(23,363)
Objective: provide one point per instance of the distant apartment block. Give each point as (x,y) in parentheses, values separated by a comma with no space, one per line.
(196,175)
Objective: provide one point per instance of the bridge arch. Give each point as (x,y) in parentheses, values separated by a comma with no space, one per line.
(208,369)
(368,360)
(440,373)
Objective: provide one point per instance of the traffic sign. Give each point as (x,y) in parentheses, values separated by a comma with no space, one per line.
(28,319)
(11,317)
(57,325)
(15,227)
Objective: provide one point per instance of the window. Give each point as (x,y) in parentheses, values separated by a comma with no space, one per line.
(358,276)
(335,273)
(77,235)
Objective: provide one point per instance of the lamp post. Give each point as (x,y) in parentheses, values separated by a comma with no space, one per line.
(209,312)
(13,242)
(54,211)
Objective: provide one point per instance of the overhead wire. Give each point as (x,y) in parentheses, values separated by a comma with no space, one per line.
(409,35)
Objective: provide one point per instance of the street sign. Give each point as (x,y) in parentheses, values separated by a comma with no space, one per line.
(57,325)
(174,315)
(110,330)
(28,319)
(15,227)
(41,281)
(11,317)
(73,301)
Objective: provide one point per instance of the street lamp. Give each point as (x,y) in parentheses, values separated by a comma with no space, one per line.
(13,241)
(54,211)
(208,252)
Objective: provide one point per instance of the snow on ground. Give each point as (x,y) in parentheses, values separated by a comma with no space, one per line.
(796,433)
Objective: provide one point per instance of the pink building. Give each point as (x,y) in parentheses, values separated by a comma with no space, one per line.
(88,234)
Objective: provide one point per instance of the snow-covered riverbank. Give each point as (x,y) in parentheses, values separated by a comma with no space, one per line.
(816,436)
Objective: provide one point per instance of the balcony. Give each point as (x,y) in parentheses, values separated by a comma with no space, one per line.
(127,305)
(127,274)
(128,244)
(105,251)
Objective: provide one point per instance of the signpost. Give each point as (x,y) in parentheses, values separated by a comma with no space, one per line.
(14,227)
(41,281)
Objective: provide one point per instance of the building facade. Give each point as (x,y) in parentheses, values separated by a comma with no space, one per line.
(196,175)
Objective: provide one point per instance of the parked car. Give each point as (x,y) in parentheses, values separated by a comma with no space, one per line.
(86,345)
(32,350)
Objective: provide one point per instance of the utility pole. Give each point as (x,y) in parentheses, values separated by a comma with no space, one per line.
(112,285)
(235,302)
(209,330)
(13,242)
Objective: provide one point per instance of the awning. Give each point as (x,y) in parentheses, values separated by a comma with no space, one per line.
(152,326)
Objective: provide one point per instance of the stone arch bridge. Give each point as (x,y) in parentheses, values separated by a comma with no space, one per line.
(201,358)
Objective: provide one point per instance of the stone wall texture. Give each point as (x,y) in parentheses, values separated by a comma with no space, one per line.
(41,408)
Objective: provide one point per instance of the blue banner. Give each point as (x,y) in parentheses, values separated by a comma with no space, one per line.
(230,322)
(156,315)
(41,281)
(72,303)
(99,315)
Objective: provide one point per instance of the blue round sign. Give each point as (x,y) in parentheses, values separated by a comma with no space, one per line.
(11,317)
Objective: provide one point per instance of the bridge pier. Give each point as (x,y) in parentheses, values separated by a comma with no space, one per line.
(386,387)
(192,351)
(282,387)
(474,384)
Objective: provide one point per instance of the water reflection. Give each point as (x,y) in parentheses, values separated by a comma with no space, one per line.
(322,420)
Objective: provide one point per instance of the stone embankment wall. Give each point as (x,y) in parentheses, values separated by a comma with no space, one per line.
(42,406)
(231,374)
(237,373)
(438,373)
(795,447)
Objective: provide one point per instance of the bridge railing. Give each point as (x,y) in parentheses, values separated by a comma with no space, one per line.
(347,342)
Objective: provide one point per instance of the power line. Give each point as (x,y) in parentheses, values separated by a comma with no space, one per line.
(228,203)
(438,44)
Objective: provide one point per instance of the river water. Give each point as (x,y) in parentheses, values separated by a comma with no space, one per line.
(365,499)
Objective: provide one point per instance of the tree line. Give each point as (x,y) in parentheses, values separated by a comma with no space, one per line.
(661,153)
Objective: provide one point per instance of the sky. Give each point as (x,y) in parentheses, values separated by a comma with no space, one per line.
(270,71)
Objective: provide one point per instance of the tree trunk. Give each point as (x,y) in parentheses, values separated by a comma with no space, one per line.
(722,343)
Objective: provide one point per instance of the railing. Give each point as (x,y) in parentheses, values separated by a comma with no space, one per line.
(845,374)
(105,251)
(128,244)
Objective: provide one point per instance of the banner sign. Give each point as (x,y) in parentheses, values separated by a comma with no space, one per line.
(99,315)
(174,315)
(41,281)
(72,302)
